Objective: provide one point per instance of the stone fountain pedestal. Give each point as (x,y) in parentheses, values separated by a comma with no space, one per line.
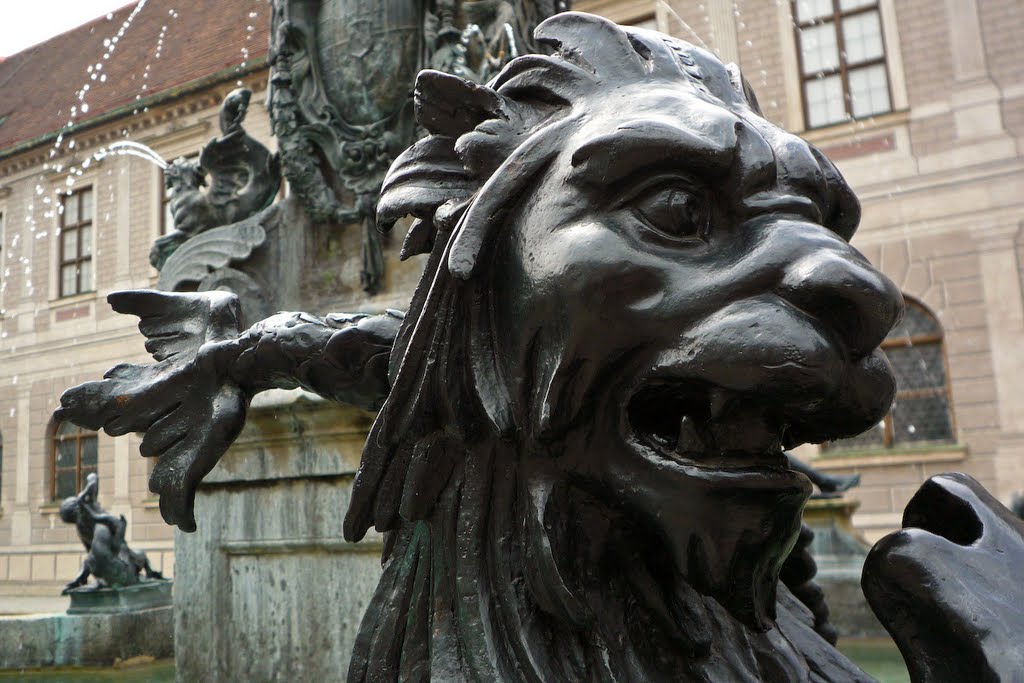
(267,588)
(101,627)
(839,550)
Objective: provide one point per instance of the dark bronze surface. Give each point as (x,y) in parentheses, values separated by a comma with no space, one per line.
(638,293)
(947,585)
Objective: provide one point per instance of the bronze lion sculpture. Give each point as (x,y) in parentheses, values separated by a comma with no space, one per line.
(638,293)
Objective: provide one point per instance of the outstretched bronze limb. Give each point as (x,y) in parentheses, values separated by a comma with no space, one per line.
(192,402)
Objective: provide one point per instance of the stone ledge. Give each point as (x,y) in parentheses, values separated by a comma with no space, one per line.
(28,642)
(141,596)
(57,303)
(847,129)
(300,545)
(890,457)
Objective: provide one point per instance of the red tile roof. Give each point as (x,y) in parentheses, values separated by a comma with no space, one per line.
(170,43)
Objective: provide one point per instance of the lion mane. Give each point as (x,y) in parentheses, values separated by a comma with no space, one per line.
(486,573)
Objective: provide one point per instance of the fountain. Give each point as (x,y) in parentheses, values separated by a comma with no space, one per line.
(627,313)
(125,613)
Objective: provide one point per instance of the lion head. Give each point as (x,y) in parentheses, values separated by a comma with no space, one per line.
(638,292)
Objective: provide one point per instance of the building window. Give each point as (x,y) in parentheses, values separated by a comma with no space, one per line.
(74,455)
(842,60)
(922,411)
(75,265)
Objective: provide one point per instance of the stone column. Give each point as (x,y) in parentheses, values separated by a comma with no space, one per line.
(21,516)
(269,551)
(974,97)
(723,25)
(1004,310)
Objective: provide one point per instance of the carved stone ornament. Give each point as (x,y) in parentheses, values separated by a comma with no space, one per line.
(340,85)
(108,559)
(638,292)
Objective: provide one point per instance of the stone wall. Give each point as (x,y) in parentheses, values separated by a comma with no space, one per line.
(65,640)
(267,588)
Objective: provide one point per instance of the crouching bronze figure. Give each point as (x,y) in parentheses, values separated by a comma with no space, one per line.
(108,559)
(638,293)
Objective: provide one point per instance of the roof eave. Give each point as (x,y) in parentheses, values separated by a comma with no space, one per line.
(161,97)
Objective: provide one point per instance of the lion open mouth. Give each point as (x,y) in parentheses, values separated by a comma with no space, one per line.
(708,426)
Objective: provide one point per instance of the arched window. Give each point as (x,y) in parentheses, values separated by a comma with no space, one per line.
(922,412)
(73,453)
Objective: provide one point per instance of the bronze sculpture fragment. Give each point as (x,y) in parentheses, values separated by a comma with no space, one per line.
(945,586)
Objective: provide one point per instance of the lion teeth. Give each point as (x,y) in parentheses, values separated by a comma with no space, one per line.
(689,442)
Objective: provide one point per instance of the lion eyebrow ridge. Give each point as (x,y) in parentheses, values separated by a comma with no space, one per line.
(608,158)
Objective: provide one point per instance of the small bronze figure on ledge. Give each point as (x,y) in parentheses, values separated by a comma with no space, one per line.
(109,558)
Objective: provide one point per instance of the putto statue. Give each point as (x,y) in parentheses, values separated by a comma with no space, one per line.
(638,293)
(109,558)
(244,178)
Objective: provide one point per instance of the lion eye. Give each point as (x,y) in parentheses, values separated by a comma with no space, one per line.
(675,212)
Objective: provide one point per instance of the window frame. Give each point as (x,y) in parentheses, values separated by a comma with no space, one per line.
(78,436)
(946,390)
(889,442)
(843,69)
(3,247)
(79,259)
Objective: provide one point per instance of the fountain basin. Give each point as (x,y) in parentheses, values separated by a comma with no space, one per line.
(102,627)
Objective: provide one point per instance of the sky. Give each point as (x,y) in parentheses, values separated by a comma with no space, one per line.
(24,23)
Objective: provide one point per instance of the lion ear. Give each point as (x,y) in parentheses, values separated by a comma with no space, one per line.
(740,85)
(597,44)
(450,106)
(425,177)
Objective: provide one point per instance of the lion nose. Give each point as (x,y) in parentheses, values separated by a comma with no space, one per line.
(847,293)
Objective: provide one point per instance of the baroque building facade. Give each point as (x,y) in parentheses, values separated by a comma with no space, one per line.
(921,105)
(77,224)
